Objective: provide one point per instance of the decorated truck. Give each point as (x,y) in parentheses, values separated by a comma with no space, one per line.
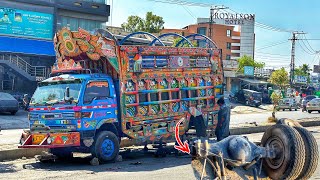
(101,91)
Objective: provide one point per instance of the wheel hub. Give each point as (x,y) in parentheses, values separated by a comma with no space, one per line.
(107,147)
(279,148)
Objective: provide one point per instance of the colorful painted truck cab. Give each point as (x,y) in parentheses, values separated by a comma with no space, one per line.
(101,92)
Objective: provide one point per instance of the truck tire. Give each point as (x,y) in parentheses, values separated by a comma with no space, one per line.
(311,153)
(289,160)
(309,111)
(106,146)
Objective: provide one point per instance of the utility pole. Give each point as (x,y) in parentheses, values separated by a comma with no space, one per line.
(292,64)
(214,10)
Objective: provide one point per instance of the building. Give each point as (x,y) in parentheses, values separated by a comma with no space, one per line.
(232,33)
(27,29)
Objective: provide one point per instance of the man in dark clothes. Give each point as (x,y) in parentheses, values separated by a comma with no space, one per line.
(222,130)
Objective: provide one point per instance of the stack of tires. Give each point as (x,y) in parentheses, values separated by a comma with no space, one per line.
(296,151)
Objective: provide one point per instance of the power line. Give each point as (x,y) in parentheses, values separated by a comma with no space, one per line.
(311,51)
(265,26)
(305,38)
(261,52)
(179,2)
(272,45)
(305,50)
(190,13)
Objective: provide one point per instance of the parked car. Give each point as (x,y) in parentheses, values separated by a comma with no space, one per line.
(305,100)
(228,103)
(288,103)
(249,97)
(313,105)
(8,103)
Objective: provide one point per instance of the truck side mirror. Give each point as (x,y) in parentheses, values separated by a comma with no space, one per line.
(67,93)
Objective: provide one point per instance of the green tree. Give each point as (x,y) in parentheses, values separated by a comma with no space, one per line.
(248,61)
(151,23)
(133,24)
(185,44)
(280,78)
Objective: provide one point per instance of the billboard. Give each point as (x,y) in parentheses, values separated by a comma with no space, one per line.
(16,22)
(248,70)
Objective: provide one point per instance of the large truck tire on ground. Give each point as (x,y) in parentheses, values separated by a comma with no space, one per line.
(290,152)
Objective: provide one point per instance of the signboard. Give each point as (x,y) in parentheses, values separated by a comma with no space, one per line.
(230,64)
(300,79)
(249,70)
(316,68)
(233,19)
(229,74)
(262,72)
(16,22)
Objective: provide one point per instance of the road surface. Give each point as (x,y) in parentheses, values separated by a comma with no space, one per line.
(136,167)
(241,114)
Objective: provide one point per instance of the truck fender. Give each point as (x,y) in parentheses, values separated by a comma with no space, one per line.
(105,126)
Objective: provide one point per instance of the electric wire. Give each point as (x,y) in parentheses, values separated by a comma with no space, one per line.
(305,39)
(307,48)
(272,45)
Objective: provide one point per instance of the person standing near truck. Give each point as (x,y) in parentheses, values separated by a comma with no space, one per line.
(25,102)
(222,129)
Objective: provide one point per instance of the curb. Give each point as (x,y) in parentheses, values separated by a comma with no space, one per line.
(19,153)
(260,129)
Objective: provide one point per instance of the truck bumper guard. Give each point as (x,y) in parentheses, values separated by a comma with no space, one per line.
(50,140)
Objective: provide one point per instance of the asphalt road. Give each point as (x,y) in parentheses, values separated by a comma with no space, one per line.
(242,114)
(134,167)
(18,121)
(263,116)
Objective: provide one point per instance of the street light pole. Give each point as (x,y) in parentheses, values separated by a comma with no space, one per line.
(292,64)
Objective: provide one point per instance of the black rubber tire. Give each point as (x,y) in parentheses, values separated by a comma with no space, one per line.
(311,153)
(96,149)
(61,153)
(296,109)
(318,111)
(289,163)
(290,109)
(309,111)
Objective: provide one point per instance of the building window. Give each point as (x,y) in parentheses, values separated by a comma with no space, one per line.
(228,45)
(75,23)
(228,57)
(202,30)
(228,32)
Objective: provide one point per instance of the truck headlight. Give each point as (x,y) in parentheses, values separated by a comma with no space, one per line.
(49,140)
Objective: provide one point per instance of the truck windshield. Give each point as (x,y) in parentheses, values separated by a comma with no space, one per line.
(49,93)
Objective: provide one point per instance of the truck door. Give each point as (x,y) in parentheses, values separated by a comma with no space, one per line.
(99,104)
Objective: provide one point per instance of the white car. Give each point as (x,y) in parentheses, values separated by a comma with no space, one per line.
(313,105)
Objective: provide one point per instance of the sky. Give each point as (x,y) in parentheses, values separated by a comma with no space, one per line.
(272,46)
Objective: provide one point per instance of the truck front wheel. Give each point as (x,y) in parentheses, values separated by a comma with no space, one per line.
(106,146)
